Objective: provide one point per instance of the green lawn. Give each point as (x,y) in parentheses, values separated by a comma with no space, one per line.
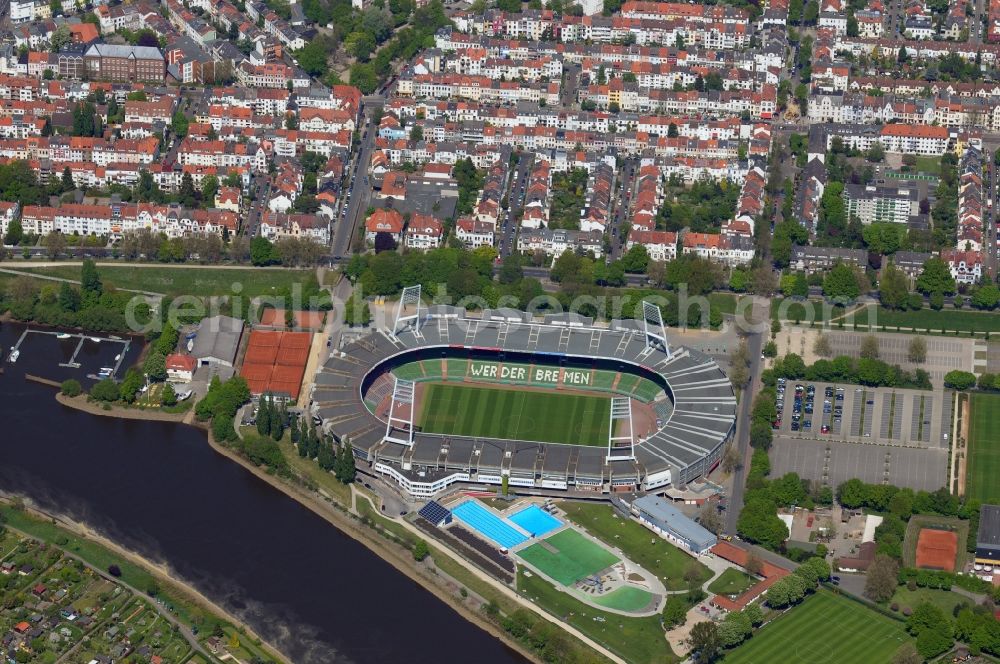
(465,410)
(984,449)
(636,640)
(826,628)
(944,599)
(626,598)
(185,280)
(639,545)
(568,557)
(731,582)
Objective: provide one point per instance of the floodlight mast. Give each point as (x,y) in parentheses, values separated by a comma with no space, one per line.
(652,320)
(621,444)
(410,297)
(399,423)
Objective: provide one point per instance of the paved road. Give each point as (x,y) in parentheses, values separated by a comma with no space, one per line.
(359,186)
(755,342)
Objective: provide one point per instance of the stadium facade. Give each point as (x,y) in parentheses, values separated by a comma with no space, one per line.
(695,415)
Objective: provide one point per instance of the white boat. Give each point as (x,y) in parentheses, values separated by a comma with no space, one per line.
(184,395)
(113,337)
(96,340)
(14,354)
(118,357)
(64,335)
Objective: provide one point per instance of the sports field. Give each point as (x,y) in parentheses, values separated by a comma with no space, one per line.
(568,557)
(984,449)
(466,410)
(825,629)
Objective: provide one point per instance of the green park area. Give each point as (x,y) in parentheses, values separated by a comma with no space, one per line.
(463,410)
(626,598)
(984,449)
(825,629)
(948,321)
(636,640)
(676,569)
(568,557)
(731,582)
(187,279)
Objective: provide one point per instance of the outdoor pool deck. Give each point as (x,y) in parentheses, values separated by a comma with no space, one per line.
(535,520)
(479,518)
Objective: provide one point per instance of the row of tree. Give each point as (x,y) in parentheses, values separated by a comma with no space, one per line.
(868,371)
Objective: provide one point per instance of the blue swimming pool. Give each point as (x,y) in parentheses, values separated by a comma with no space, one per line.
(473,514)
(535,520)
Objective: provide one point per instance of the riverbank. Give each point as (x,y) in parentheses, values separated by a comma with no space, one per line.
(401,560)
(62,531)
(329,510)
(82,403)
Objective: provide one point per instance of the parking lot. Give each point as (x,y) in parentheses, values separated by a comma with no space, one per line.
(887,416)
(831,433)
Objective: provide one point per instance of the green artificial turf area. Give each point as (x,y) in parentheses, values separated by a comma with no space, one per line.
(568,557)
(626,598)
(649,551)
(825,629)
(731,582)
(984,449)
(465,410)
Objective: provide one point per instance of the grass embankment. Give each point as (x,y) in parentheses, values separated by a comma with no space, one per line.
(185,279)
(948,321)
(825,629)
(188,609)
(984,449)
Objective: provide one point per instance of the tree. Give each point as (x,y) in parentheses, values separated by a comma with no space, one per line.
(841,284)
(417,133)
(179,124)
(917,351)
(893,288)
(264,416)
(711,521)
(90,280)
(106,390)
(55,244)
(936,278)
(261,251)
(15,233)
(155,366)
(67,180)
(71,388)
(704,640)
(636,259)
(882,578)
(209,188)
(674,611)
(869,347)
(168,396)
(986,297)
(187,195)
(959,380)
(312,57)
(420,550)
(821,346)
(934,631)
(759,523)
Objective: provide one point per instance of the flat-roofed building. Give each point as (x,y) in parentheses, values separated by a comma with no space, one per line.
(670,523)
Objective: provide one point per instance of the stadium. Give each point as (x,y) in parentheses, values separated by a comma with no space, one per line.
(555,403)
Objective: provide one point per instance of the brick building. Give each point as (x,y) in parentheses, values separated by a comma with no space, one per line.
(125,64)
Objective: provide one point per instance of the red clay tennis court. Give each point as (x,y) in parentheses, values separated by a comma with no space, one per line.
(275,362)
(937,549)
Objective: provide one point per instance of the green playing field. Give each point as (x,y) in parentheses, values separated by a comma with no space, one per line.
(568,557)
(825,629)
(984,449)
(549,417)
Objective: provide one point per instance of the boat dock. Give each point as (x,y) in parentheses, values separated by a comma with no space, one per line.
(81,339)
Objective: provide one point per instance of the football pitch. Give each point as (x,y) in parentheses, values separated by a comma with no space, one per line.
(984,449)
(825,629)
(568,557)
(488,412)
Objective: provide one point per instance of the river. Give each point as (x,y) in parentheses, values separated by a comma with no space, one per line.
(159,489)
